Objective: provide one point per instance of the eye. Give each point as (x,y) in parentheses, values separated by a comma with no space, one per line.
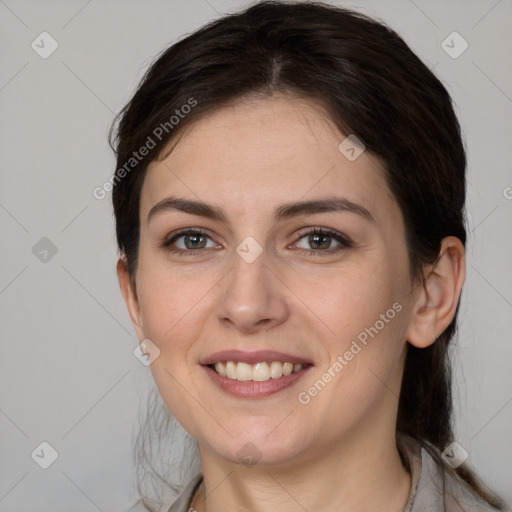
(315,242)
(322,240)
(189,241)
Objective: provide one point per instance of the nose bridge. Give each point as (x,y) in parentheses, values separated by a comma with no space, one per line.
(250,298)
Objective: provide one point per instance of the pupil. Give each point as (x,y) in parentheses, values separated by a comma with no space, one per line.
(322,241)
(194,239)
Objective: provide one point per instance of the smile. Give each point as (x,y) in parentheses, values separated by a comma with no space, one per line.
(248,385)
(258,372)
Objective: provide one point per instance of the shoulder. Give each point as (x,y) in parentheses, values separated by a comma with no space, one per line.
(435,486)
(459,497)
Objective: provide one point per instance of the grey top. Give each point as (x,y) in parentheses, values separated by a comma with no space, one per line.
(433,487)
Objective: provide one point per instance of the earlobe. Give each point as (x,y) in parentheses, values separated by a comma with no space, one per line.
(437,301)
(130,296)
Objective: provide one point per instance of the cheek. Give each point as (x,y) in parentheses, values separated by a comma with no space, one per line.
(173,311)
(364,362)
(366,319)
(353,298)
(170,299)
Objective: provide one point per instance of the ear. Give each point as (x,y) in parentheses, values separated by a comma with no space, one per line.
(130,296)
(437,302)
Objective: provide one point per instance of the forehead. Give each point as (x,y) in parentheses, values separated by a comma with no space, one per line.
(257,152)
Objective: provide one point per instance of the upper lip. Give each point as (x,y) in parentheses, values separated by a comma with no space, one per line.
(253,357)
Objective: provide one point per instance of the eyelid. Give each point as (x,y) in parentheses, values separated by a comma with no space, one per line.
(343,240)
(167,240)
(171,236)
(317,230)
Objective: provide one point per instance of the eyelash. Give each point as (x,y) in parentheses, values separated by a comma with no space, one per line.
(344,241)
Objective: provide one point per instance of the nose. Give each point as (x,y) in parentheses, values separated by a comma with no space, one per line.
(253,298)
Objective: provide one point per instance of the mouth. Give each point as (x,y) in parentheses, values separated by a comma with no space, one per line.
(254,374)
(259,372)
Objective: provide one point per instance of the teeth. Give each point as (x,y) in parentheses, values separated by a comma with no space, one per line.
(243,371)
(276,370)
(230,370)
(257,372)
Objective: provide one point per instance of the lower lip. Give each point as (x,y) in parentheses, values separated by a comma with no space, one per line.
(254,389)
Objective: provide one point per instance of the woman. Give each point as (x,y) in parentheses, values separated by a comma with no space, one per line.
(289,202)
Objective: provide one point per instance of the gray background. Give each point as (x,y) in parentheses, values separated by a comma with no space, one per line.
(68,375)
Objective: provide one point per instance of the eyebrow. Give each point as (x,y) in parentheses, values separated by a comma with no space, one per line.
(285,211)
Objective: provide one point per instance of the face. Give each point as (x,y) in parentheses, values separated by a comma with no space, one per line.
(294,248)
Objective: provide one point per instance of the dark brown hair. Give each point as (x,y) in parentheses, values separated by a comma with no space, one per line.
(372,85)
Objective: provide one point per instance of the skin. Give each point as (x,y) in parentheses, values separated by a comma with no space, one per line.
(248,159)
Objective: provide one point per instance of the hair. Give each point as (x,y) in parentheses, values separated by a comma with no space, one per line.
(371,85)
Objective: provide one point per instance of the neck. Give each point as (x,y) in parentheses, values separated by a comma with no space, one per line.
(363,473)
